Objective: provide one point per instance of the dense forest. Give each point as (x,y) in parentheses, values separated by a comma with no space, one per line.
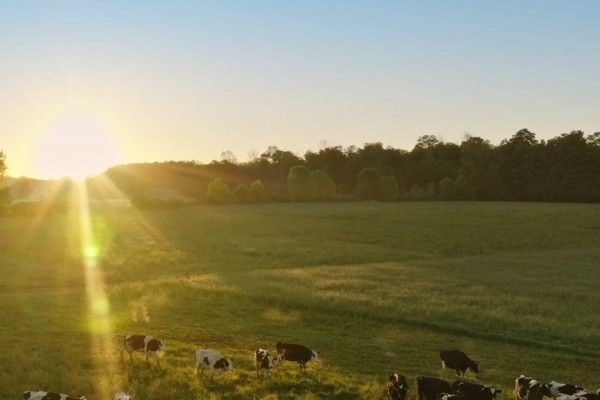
(565,169)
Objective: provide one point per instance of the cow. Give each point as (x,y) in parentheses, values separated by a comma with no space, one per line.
(585,395)
(475,391)
(580,395)
(40,395)
(264,361)
(123,396)
(430,388)
(459,361)
(143,343)
(451,396)
(552,389)
(296,352)
(397,387)
(527,388)
(213,360)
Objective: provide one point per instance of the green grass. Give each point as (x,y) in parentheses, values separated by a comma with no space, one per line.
(375,288)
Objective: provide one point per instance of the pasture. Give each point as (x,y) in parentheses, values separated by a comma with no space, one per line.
(375,288)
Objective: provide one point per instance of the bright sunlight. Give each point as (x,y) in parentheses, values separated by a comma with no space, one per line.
(76,148)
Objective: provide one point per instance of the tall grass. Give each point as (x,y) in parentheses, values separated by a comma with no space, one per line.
(376,288)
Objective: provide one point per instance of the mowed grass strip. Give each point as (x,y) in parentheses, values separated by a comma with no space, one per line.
(376,288)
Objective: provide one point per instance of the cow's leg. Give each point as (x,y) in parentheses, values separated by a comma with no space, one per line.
(131,357)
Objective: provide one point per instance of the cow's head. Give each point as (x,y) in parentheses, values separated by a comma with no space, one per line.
(268,361)
(474,365)
(123,396)
(495,391)
(161,345)
(396,388)
(314,356)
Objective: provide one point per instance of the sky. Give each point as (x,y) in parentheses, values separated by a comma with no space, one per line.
(85,85)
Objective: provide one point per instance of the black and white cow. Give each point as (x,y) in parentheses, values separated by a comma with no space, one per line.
(451,396)
(475,391)
(554,388)
(123,396)
(40,395)
(581,395)
(213,360)
(397,387)
(264,362)
(459,361)
(585,395)
(430,388)
(143,343)
(296,352)
(527,388)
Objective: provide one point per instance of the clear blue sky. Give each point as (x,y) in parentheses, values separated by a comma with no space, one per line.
(183,80)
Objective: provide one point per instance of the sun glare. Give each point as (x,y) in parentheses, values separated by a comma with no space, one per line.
(76,148)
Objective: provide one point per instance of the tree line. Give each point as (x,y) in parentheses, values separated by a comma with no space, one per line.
(565,168)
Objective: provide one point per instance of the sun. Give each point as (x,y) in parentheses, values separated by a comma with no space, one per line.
(76,148)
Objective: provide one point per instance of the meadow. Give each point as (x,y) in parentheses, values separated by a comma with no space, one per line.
(375,288)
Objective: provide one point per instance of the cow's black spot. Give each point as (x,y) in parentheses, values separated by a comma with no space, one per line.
(153,345)
(205,361)
(221,364)
(51,396)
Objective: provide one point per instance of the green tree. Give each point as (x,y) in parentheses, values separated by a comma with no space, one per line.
(331,160)
(299,183)
(258,193)
(388,188)
(447,191)
(219,192)
(5,196)
(519,166)
(242,193)
(461,187)
(367,184)
(323,187)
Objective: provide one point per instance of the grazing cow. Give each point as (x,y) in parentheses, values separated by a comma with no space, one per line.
(123,396)
(296,352)
(264,362)
(553,389)
(430,388)
(144,343)
(527,388)
(397,387)
(459,361)
(213,360)
(475,391)
(39,395)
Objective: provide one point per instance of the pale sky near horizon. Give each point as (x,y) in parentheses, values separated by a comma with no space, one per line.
(85,85)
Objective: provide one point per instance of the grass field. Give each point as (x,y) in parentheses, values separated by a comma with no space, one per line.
(375,288)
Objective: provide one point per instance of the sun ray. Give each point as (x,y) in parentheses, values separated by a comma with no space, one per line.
(98,303)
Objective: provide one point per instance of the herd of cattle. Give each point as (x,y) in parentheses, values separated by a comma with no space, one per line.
(526,388)
(428,388)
